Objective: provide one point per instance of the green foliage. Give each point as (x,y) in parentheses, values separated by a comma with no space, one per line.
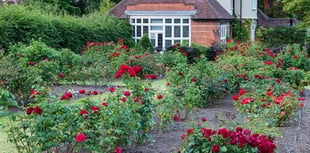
(125,115)
(106,5)
(284,35)
(203,139)
(34,67)
(299,8)
(145,44)
(241,30)
(19,24)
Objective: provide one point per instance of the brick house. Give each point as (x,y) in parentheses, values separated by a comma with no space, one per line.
(168,22)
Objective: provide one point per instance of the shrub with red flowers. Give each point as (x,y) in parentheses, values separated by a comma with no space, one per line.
(279,109)
(202,139)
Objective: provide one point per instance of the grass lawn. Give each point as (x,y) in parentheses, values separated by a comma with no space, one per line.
(5,147)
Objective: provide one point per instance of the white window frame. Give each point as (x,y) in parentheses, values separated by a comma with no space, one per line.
(164,24)
(223,33)
(254,5)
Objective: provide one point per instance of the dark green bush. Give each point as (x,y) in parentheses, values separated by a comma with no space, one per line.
(19,24)
(278,36)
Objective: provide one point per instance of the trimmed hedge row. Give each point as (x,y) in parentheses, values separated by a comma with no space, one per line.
(19,24)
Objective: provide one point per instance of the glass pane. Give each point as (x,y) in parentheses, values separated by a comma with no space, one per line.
(168,43)
(133,21)
(177,20)
(138,31)
(168,32)
(177,31)
(156,27)
(133,31)
(156,20)
(145,20)
(185,20)
(138,20)
(185,31)
(145,29)
(177,41)
(168,20)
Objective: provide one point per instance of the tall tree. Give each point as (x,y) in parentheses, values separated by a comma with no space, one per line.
(299,8)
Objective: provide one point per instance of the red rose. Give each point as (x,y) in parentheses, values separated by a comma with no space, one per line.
(137,69)
(83,112)
(127,93)
(94,108)
(301,99)
(95,92)
(168,84)
(33,93)
(80,137)
(175,118)
(118,150)
(235,97)
(132,72)
(215,148)
(66,96)
(123,99)
(268,62)
(159,96)
(242,91)
(81,91)
(61,75)
(37,110)
(138,57)
(193,80)
(146,89)
(302,104)
(105,104)
(32,63)
(29,110)
(269,93)
(203,119)
(112,89)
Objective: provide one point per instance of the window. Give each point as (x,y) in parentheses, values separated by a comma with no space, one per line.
(138,31)
(185,20)
(177,31)
(177,20)
(145,29)
(185,31)
(168,20)
(156,27)
(254,4)
(223,32)
(168,43)
(163,31)
(168,31)
(145,20)
(156,20)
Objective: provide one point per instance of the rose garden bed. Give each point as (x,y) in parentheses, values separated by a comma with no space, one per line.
(242,99)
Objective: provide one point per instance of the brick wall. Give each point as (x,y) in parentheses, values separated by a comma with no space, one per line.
(160,7)
(205,32)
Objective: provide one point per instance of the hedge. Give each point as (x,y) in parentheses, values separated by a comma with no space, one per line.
(19,24)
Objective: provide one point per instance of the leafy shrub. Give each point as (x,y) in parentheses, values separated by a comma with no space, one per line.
(284,35)
(145,44)
(19,24)
(202,139)
(34,67)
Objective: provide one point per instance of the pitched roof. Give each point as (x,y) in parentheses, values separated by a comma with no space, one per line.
(206,9)
(265,21)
